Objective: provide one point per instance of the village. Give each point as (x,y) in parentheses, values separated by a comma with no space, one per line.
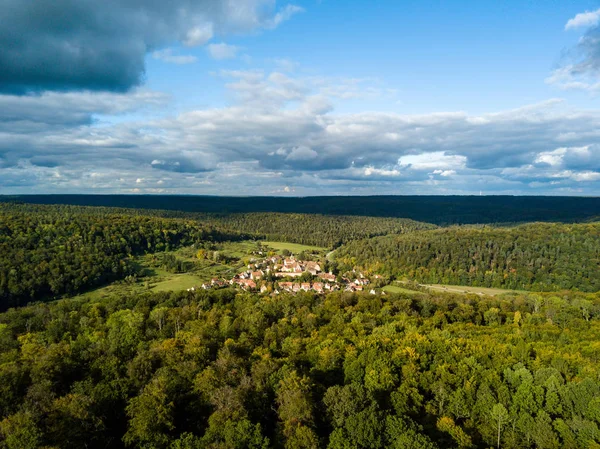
(276,274)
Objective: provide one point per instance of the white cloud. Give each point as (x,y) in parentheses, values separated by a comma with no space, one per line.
(167,55)
(586,176)
(570,77)
(222,51)
(370,171)
(198,35)
(444,173)
(568,157)
(585,19)
(437,160)
(580,69)
(282,15)
(552,158)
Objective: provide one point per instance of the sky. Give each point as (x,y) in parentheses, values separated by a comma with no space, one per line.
(300,98)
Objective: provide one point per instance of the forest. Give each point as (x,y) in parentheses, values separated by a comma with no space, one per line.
(537,256)
(322,230)
(225,369)
(172,368)
(441,210)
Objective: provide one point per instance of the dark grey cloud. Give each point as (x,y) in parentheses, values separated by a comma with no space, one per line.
(64,45)
(36,113)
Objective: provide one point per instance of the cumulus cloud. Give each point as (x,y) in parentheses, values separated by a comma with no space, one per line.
(434,160)
(581,67)
(86,45)
(584,19)
(372,171)
(198,35)
(574,158)
(222,51)
(444,173)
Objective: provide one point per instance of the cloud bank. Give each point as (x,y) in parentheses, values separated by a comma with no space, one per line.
(60,143)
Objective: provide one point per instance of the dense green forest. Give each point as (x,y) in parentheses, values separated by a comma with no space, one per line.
(442,210)
(321,230)
(235,370)
(537,256)
(47,251)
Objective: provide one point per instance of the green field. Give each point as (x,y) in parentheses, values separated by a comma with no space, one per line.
(177,282)
(470,290)
(396,289)
(238,249)
(293,247)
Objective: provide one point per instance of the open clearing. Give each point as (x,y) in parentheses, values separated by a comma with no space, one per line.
(396,289)
(482,291)
(177,282)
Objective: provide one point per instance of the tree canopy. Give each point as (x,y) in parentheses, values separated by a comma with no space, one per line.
(224,369)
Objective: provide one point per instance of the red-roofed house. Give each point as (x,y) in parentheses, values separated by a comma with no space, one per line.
(246,284)
(313,268)
(287,286)
(327,276)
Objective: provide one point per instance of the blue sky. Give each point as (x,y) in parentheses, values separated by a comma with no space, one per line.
(440,56)
(301,98)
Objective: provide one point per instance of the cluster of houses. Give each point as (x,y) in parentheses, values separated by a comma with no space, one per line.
(276,267)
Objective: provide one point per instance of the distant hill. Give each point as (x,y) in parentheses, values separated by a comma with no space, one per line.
(440,210)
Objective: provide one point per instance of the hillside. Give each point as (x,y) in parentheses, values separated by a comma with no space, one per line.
(538,256)
(311,229)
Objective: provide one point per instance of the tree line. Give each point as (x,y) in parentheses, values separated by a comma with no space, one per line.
(537,256)
(224,369)
(441,210)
